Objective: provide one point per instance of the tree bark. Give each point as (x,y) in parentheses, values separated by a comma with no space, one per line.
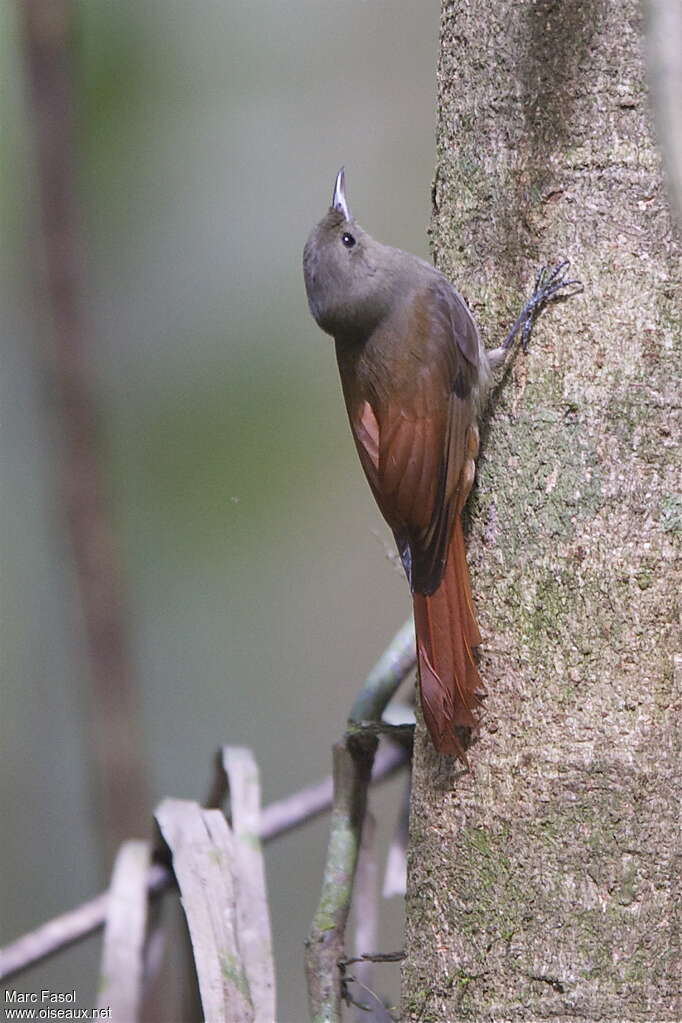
(545,883)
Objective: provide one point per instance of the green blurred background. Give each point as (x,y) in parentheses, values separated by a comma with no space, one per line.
(256,563)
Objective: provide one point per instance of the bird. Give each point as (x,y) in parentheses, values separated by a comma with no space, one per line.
(415,376)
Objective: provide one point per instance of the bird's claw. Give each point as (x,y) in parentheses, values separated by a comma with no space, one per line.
(549,281)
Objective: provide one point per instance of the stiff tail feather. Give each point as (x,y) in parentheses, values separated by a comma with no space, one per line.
(446,634)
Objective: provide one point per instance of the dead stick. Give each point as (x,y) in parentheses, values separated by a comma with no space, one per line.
(276,819)
(325,946)
(353,758)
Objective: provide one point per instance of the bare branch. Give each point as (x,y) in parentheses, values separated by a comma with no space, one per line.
(325,946)
(277,819)
(380,685)
(353,758)
(395,877)
(205,865)
(369,1007)
(253,916)
(122,971)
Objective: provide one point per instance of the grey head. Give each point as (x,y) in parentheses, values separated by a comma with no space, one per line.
(351,280)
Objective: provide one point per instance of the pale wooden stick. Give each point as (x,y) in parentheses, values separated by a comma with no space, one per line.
(253,917)
(204,864)
(276,819)
(122,969)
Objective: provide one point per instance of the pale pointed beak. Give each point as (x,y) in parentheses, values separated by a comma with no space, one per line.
(339,201)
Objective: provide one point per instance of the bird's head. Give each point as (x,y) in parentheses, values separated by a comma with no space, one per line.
(348,275)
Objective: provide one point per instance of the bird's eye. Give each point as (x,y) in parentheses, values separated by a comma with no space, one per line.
(348,240)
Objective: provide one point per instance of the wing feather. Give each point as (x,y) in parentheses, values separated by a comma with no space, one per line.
(414,446)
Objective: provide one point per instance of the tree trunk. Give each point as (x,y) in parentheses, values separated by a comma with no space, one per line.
(545,883)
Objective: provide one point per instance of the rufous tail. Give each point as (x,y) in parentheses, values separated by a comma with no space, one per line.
(446,634)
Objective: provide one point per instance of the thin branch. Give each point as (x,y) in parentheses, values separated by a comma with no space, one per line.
(395,877)
(326,943)
(277,819)
(281,817)
(353,758)
(123,805)
(369,1007)
(380,685)
(122,971)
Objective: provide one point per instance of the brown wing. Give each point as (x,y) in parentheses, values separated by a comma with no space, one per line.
(413,435)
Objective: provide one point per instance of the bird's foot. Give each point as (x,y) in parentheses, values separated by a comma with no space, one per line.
(551,284)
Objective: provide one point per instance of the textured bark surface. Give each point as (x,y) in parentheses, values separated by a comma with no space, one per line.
(546,883)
